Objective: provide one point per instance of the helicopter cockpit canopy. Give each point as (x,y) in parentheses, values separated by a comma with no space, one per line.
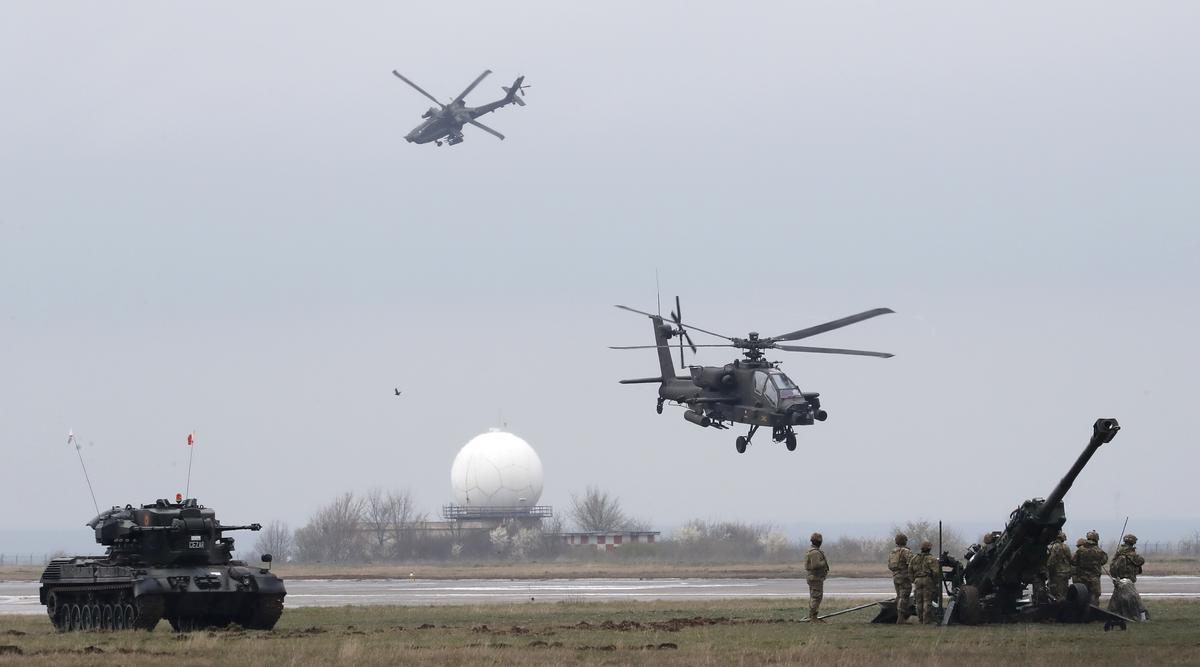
(774,387)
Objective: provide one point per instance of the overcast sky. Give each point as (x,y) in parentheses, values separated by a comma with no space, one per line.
(209,220)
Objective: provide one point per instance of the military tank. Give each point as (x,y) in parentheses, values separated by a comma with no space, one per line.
(165,560)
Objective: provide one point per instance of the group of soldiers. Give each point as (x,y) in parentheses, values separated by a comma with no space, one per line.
(922,571)
(1086,565)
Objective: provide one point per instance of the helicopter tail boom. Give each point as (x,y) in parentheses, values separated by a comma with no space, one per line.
(665,363)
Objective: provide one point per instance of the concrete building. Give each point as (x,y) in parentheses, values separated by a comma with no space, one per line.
(607,541)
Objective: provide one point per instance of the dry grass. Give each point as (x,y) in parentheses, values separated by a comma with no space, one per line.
(667,633)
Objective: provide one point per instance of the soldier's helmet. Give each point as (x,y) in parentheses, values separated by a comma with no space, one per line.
(1080,542)
(1093,536)
(989,538)
(926,546)
(1131,539)
(901,539)
(816,539)
(1062,537)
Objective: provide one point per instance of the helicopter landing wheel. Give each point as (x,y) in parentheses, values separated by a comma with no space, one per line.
(741,443)
(790,441)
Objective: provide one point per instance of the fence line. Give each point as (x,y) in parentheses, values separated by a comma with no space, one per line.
(24,558)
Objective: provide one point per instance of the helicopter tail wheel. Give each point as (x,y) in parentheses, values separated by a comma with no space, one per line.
(791,441)
(741,443)
(658,408)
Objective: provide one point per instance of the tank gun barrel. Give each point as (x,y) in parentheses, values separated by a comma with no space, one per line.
(180,527)
(253,526)
(1103,431)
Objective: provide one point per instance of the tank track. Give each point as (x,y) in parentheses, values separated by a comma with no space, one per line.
(110,607)
(264,613)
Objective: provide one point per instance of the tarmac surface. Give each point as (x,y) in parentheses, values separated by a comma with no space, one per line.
(21,597)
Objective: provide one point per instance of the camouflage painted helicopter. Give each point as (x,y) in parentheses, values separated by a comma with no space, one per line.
(747,391)
(446,121)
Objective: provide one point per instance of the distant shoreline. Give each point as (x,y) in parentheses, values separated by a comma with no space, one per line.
(589,570)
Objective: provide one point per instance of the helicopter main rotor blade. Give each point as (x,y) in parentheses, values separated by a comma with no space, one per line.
(835,324)
(665,347)
(487,129)
(419,89)
(472,86)
(834,350)
(640,312)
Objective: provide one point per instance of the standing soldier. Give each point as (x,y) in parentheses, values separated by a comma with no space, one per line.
(1058,566)
(817,568)
(1127,564)
(927,575)
(901,577)
(1089,565)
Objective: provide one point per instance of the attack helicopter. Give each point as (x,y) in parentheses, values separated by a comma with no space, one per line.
(751,390)
(446,121)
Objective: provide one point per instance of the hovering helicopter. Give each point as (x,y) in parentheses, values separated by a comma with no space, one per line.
(746,391)
(446,121)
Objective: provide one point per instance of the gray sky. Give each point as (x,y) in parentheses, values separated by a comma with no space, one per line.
(209,220)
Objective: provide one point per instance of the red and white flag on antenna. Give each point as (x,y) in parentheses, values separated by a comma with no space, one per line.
(191,440)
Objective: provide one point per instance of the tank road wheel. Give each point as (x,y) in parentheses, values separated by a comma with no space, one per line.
(118,616)
(76,618)
(96,617)
(53,610)
(149,610)
(106,618)
(262,612)
(968,608)
(740,444)
(130,616)
(791,441)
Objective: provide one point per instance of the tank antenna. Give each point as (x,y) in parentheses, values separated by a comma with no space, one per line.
(71,440)
(188,486)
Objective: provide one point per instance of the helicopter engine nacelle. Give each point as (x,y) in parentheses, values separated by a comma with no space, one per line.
(713,378)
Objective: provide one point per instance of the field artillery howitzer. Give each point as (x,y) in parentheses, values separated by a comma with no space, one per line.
(164,560)
(991,585)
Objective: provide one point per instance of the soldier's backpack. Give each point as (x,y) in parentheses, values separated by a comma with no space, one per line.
(1120,567)
(896,561)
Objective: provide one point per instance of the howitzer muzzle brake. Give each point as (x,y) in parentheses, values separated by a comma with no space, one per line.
(1106,429)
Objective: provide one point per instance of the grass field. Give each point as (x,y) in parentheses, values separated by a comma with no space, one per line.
(665,633)
(605,567)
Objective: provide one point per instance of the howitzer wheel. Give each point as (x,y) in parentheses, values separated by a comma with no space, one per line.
(1075,608)
(263,613)
(149,609)
(967,606)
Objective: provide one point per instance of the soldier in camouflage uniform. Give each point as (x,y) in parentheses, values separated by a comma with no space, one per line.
(1089,565)
(1058,566)
(901,577)
(817,568)
(1127,564)
(927,575)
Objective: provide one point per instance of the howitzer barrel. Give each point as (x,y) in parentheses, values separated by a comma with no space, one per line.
(1104,430)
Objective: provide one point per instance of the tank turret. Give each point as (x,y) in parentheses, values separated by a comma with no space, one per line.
(164,560)
(165,533)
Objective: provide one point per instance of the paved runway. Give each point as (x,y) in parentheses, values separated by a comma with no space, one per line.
(20,597)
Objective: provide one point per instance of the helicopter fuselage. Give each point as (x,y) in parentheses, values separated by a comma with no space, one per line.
(746,392)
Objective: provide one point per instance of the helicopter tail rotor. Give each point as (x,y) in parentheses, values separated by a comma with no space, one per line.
(677,318)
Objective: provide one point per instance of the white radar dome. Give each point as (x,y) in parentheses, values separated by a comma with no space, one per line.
(496,469)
